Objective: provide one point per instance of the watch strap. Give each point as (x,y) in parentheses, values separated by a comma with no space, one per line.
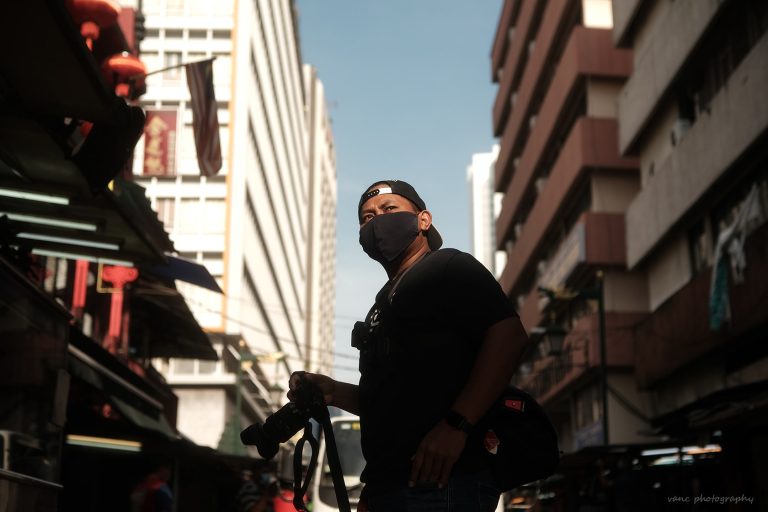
(458,421)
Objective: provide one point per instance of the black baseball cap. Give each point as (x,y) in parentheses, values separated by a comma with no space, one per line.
(404,189)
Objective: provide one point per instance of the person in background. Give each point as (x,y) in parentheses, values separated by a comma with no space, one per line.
(153,494)
(257,491)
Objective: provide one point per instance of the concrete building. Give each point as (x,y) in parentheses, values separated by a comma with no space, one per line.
(566,190)
(694,113)
(252,225)
(485,205)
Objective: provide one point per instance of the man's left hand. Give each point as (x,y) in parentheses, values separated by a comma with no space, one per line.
(436,455)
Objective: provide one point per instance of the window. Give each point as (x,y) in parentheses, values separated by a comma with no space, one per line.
(165,208)
(172,59)
(188,219)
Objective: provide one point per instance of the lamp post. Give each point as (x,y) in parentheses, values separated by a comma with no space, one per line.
(597,294)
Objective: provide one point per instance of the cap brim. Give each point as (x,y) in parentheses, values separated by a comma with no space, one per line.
(433,238)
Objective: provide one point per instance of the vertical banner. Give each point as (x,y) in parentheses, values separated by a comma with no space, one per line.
(160,142)
(205,121)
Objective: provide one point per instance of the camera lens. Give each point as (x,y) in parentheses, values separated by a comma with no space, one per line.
(278,428)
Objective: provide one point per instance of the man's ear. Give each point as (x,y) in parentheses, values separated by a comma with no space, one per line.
(425,220)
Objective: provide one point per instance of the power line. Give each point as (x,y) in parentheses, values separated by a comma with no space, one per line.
(280,338)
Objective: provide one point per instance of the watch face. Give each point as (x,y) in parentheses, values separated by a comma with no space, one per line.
(457,421)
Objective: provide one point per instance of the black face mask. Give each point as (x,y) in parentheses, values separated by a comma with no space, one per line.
(386,236)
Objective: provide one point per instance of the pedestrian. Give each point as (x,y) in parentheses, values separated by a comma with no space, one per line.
(256,492)
(153,493)
(437,348)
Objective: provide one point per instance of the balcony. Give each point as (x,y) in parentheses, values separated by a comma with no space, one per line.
(588,52)
(514,65)
(590,145)
(597,239)
(678,332)
(548,30)
(501,40)
(554,376)
(693,169)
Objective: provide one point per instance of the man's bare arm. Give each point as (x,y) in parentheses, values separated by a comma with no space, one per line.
(500,353)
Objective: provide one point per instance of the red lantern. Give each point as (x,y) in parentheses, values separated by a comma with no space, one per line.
(93,15)
(126,73)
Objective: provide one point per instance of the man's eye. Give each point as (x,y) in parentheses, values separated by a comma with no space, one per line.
(390,207)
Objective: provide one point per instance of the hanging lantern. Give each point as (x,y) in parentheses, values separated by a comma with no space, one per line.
(92,16)
(125,72)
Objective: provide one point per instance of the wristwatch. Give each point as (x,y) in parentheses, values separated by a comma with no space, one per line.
(457,421)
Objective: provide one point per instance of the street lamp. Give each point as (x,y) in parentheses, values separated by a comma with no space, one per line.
(597,294)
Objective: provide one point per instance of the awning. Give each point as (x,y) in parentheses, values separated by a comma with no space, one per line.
(162,324)
(51,207)
(129,393)
(52,182)
(737,405)
(185,270)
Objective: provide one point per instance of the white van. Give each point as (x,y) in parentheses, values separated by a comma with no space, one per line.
(346,430)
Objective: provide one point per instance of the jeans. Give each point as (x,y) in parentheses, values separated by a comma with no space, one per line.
(475,492)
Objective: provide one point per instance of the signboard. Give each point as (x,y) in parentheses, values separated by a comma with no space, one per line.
(571,253)
(591,435)
(160,142)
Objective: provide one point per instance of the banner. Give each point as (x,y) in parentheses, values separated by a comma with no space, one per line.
(205,120)
(160,142)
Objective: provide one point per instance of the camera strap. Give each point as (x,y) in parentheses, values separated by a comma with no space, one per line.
(299,487)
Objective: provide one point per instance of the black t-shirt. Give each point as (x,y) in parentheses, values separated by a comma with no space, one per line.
(419,344)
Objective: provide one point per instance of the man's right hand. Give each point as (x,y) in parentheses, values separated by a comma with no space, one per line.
(326,384)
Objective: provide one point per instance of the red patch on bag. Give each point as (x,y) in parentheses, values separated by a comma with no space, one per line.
(517,405)
(491,442)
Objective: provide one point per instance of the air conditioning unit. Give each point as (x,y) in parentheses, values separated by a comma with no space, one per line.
(532,121)
(511,34)
(516,162)
(539,184)
(541,267)
(518,229)
(513,98)
(531,46)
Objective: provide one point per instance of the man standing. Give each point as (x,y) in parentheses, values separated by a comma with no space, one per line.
(437,348)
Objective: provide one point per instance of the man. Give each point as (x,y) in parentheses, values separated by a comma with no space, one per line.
(437,348)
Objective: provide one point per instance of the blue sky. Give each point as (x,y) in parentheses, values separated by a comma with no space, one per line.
(410,95)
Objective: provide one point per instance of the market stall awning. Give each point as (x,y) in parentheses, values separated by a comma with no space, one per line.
(162,324)
(176,268)
(134,398)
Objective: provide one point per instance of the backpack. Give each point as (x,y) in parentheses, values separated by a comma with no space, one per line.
(517,440)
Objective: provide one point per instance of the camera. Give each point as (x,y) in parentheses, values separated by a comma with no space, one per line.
(289,419)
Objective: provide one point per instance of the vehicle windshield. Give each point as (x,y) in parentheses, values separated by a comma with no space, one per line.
(347,434)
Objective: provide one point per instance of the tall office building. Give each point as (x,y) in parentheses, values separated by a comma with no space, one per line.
(485,205)
(566,189)
(263,225)
(694,113)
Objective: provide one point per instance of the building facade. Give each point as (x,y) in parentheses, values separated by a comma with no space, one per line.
(251,224)
(566,189)
(696,229)
(484,204)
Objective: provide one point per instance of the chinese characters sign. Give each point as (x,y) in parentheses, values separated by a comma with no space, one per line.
(160,142)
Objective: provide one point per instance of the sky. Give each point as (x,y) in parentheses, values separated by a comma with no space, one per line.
(408,85)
